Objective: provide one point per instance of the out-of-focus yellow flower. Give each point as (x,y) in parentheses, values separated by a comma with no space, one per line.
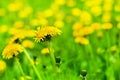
(16,6)
(70,3)
(96,10)
(118,25)
(28,44)
(107,7)
(11,50)
(117,8)
(60,2)
(39,15)
(100,50)
(22,33)
(85,17)
(43,21)
(82,40)
(46,33)
(48,13)
(89,3)
(2,66)
(100,34)
(87,30)
(25,12)
(114,48)
(96,26)
(2,12)
(77,26)
(83,31)
(59,23)
(59,15)
(45,51)
(76,12)
(34,22)
(18,24)
(3,28)
(106,17)
(107,26)
(117,18)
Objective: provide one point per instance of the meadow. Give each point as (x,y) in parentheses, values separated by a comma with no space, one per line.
(59,39)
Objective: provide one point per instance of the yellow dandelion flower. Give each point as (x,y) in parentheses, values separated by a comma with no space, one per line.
(59,15)
(60,2)
(2,66)
(28,44)
(107,26)
(26,12)
(117,8)
(76,12)
(106,17)
(107,7)
(34,22)
(45,51)
(71,3)
(114,48)
(96,10)
(2,12)
(18,24)
(59,23)
(85,17)
(45,33)
(43,21)
(11,50)
(82,40)
(16,6)
(77,26)
(3,28)
(96,26)
(118,25)
(48,13)
(117,18)
(100,34)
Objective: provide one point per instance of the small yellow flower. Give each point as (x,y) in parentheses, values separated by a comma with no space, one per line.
(59,23)
(45,33)
(71,3)
(11,50)
(45,51)
(114,48)
(2,12)
(107,26)
(18,24)
(96,10)
(96,26)
(28,44)
(3,28)
(2,66)
(82,40)
(76,12)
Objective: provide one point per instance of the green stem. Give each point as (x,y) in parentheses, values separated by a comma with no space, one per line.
(51,54)
(108,48)
(19,66)
(35,69)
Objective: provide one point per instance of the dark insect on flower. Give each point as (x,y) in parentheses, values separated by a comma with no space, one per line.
(17,40)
